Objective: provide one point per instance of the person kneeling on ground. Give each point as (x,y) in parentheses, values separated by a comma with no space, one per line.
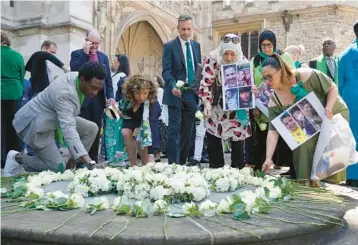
(139,100)
(57,109)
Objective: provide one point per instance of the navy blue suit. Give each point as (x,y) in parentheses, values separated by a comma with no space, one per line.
(92,108)
(179,130)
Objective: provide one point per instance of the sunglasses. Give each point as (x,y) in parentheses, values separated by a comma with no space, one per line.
(227,39)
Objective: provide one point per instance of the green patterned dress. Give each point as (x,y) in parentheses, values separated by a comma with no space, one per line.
(320,84)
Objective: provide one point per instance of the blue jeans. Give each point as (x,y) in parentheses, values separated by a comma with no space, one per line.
(181,123)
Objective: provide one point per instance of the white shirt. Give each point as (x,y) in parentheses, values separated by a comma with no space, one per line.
(115,80)
(183,46)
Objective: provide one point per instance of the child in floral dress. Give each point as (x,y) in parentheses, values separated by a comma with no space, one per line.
(139,100)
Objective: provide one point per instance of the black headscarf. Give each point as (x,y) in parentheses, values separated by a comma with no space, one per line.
(265,35)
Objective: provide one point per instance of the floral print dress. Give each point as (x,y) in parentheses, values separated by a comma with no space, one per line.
(222,124)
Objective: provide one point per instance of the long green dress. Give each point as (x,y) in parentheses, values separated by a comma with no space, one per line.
(320,84)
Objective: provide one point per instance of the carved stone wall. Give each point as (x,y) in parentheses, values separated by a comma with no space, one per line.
(294,22)
(141,43)
(124,23)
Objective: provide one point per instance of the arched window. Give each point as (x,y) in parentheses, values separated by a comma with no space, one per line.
(250,42)
(245,44)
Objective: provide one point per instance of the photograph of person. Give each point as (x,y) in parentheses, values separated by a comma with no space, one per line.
(247,76)
(231,99)
(230,77)
(302,121)
(245,100)
(296,132)
(241,78)
(264,94)
(310,113)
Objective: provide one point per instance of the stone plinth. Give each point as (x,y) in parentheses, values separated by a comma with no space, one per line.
(29,227)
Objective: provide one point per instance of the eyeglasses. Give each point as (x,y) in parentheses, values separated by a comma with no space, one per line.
(227,39)
(268,77)
(94,43)
(268,45)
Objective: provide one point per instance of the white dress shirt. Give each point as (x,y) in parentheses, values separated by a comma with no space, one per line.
(183,46)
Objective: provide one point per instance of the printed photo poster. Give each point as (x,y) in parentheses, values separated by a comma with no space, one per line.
(263,99)
(237,85)
(301,121)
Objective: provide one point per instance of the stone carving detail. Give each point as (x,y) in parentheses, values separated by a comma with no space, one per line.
(101,16)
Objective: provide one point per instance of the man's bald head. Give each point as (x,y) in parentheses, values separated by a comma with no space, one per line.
(328,47)
(295,51)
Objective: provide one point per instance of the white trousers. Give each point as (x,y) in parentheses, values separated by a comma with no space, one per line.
(199,140)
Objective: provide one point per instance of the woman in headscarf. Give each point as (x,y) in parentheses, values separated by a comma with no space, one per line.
(267,46)
(228,125)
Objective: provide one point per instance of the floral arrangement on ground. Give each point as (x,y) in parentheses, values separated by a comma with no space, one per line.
(154,188)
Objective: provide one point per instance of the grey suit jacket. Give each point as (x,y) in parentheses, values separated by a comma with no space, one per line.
(57,105)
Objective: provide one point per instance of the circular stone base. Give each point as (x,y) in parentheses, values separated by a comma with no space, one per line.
(29,227)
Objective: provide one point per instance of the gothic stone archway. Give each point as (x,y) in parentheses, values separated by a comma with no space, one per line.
(142,44)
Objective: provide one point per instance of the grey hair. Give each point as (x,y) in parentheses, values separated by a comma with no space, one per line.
(93,31)
(184,17)
(293,49)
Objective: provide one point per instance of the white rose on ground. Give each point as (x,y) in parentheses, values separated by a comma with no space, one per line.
(78,200)
(275,192)
(246,171)
(249,198)
(159,206)
(67,175)
(208,208)
(187,207)
(39,192)
(224,206)
(158,192)
(199,193)
(104,203)
(222,185)
(179,84)
(233,184)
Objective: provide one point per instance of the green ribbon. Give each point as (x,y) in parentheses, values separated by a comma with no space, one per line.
(299,91)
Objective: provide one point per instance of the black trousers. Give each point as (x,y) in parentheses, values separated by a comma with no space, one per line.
(216,153)
(9,139)
(94,112)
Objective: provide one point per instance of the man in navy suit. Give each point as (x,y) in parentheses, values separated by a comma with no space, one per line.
(181,57)
(92,108)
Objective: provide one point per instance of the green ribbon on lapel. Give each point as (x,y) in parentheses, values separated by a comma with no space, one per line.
(323,67)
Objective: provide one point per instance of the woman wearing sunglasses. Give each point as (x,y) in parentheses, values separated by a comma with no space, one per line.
(267,46)
(220,124)
(289,87)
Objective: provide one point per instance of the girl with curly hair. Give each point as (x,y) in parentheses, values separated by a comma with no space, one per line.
(136,106)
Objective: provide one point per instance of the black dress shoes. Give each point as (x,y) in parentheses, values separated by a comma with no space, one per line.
(193,163)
